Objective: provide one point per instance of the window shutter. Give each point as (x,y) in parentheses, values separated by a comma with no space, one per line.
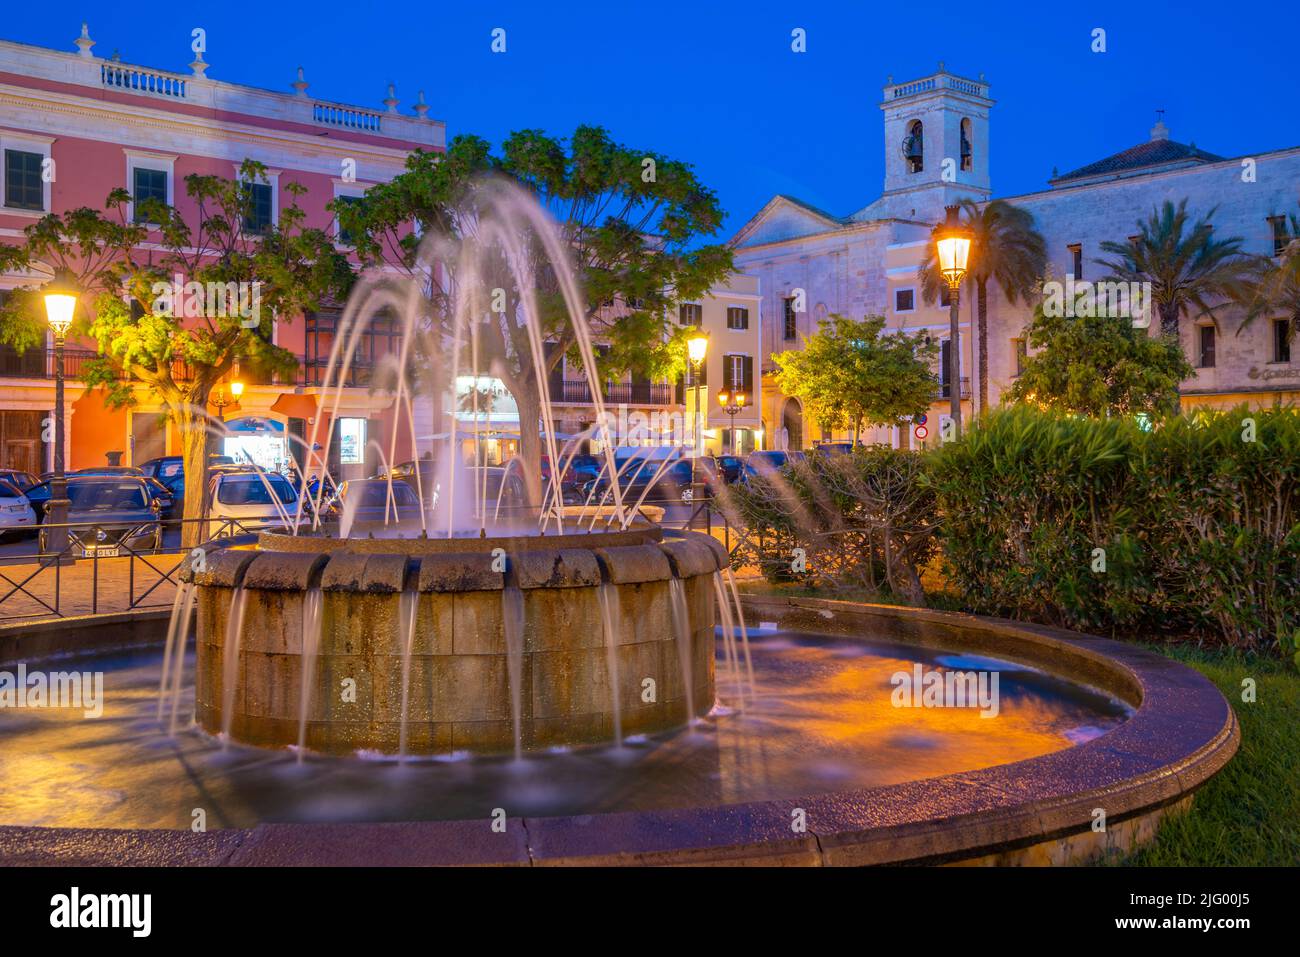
(749,380)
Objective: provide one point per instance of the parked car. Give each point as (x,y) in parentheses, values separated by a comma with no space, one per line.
(169,471)
(368,501)
(769,462)
(117,512)
(576,476)
(39,495)
(730,468)
(109,471)
(242,500)
(22,480)
(17,517)
(833,448)
(673,484)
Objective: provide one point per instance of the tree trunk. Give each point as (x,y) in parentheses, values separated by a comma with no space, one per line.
(982,344)
(528,400)
(194,453)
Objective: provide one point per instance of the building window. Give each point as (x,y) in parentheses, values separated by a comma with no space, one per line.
(791,325)
(967,150)
(738,373)
(23,186)
(945,296)
(904,300)
(690,314)
(737,317)
(1019,352)
(1281,340)
(259,215)
(1205,343)
(1076,260)
(147,184)
(345,236)
(945,373)
(1281,235)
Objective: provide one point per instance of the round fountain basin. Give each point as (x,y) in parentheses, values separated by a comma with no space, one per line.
(509,649)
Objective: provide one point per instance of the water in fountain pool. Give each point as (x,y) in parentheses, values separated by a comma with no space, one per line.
(821,720)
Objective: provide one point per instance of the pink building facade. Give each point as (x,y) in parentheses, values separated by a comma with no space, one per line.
(74,126)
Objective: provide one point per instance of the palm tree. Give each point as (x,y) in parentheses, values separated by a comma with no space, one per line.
(1276,290)
(1186,266)
(1006,249)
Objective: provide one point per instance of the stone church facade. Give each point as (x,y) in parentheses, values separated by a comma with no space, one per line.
(811,262)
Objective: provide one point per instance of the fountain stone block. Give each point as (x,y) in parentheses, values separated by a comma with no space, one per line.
(472,676)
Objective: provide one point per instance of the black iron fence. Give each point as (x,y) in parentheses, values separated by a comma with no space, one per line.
(107,567)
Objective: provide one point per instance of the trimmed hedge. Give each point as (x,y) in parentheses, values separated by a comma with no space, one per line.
(1196,520)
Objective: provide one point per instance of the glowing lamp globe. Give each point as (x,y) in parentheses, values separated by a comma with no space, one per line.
(697,347)
(953,242)
(60,303)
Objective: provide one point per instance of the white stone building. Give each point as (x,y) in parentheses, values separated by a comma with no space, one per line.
(937,151)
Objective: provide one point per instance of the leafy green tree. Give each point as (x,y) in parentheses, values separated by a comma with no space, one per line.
(850,375)
(633,221)
(1191,271)
(1007,250)
(1098,364)
(180,347)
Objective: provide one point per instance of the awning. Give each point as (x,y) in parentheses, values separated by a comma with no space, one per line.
(294,406)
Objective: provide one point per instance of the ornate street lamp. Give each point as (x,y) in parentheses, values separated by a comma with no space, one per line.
(60,306)
(732,403)
(697,348)
(953,243)
(221,398)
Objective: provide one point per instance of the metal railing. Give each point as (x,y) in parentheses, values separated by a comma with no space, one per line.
(626,393)
(146,572)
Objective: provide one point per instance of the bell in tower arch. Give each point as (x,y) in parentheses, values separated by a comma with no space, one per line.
(914,147)
(967,156)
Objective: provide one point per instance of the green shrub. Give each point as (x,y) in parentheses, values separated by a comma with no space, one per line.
(1198,528)
(865,521)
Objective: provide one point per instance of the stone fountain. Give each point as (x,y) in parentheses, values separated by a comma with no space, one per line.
(434,646)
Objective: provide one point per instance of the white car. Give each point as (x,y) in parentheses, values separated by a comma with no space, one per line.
(245,501)
(16,512)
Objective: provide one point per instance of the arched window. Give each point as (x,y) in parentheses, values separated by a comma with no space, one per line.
(967,150)
(914,147)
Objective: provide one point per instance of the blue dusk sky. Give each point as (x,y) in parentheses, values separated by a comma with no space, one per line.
(716,84)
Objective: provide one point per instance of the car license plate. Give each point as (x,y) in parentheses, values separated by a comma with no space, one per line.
(107,551)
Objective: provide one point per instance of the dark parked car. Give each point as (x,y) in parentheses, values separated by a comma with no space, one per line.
(370,505)
(121,512)
(577,475)
(833,448)
(169,471)
(673,484)
(769,462)
(730,467)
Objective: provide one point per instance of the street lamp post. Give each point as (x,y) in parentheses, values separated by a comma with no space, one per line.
(732,403)
(697,347)
(953,242)
(60,306)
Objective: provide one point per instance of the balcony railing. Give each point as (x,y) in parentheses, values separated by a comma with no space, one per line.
(619,393)
(945,389)
(139,80)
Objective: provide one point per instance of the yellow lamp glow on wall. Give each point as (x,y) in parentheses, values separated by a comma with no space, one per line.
(953,245)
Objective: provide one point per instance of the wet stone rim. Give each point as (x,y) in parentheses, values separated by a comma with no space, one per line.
(1181,734)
